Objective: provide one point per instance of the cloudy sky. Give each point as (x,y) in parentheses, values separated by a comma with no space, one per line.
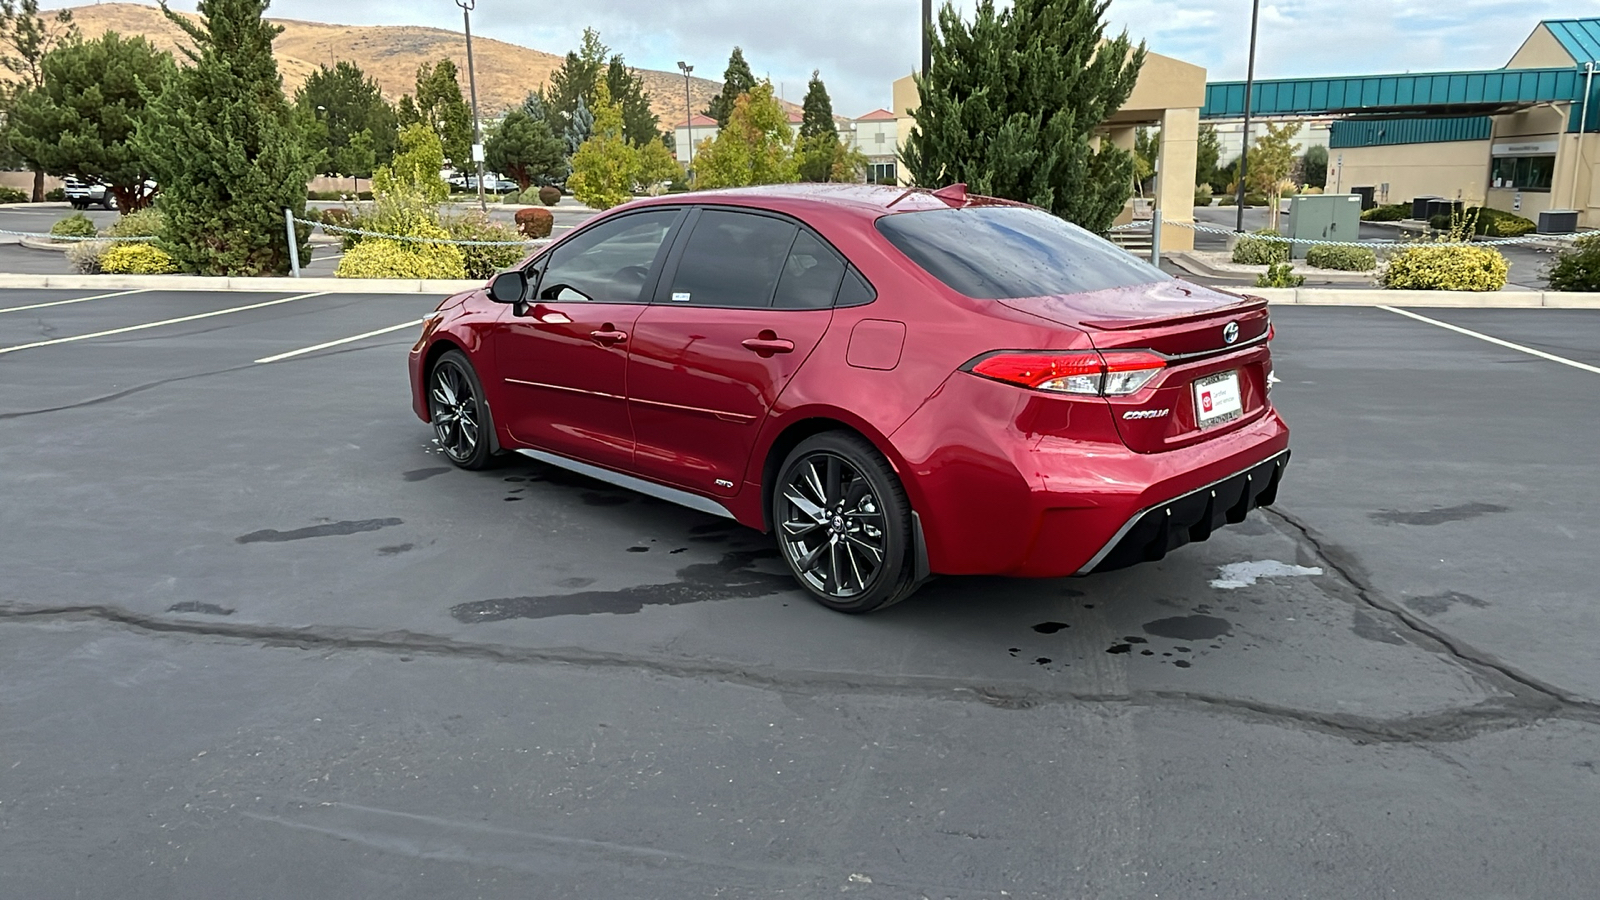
(861,46)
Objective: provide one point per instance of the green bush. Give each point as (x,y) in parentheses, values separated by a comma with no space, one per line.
(482,262)
(84,256)
(1498,223)
(1444,267)
(512,197)
(12,195)
(55,195)
(1255,200)
(75,225)
(1394,212)
(137,259)
(1345,259)
(1279,275)
(384,258)
(146,222)
(534,222)
(1256,252)
(1227,200)
(549,195)
(1578,269)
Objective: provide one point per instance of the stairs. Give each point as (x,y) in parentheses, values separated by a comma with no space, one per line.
(1133,241)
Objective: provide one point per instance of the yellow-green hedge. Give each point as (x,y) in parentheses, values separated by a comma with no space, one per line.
(137,259)
(381,258)
(1431,267)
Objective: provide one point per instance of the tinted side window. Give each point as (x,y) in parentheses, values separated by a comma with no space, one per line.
(732,259)
(1003,253)
(855,291)
(810,276)
(608,263)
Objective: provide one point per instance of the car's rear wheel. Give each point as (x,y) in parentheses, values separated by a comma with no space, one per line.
(844,524)
(460,416)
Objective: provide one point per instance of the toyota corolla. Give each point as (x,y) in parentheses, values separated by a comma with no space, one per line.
(898,383)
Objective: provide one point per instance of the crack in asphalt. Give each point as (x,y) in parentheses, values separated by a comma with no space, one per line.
(1443,726)
(108,398)
(1525,688)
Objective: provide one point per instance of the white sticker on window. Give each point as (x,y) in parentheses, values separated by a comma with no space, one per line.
(680,297)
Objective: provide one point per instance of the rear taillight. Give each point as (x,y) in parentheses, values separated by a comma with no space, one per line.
(1111,374)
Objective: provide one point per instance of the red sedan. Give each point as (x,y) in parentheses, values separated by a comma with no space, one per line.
(899,383)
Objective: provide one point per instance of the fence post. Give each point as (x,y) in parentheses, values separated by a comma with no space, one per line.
(1155,238)
(294,242)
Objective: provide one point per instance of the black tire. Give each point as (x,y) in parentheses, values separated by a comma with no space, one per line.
(852,552)
(462,425)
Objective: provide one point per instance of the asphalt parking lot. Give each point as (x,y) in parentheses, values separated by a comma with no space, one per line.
(258,639)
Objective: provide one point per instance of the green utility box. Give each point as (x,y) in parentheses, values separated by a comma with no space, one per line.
(1322,217)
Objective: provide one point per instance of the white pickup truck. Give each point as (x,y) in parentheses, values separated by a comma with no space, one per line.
(84,194)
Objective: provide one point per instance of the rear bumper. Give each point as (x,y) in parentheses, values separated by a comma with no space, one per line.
(1157,531)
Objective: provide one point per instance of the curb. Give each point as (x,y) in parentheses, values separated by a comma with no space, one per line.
(40,244)
(202,283)
(1185,259)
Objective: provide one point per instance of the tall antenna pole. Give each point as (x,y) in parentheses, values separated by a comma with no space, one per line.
(472,81)
(1249,87)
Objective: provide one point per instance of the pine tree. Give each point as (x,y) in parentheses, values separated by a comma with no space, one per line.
(573,83)
(1207,152)
(1011,103)
(226,148)
(83,121)
(523,147)
(818,109)
(737,80)
(441,106)
(405,112)
(639,123)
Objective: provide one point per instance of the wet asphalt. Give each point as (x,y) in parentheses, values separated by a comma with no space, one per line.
(258,639)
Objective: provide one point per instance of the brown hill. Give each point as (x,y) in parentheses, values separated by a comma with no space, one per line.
(391,54)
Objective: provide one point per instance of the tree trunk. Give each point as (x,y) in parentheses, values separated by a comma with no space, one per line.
(38,185)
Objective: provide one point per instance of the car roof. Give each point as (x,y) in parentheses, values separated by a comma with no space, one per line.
(867,200)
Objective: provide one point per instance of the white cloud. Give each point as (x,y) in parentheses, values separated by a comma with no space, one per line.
(861,46)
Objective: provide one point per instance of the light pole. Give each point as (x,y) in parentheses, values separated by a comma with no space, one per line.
(1249,85)
(688,117)
(472,81)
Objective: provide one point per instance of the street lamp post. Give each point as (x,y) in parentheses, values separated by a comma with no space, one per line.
(472,81)
(688,116)
(1249,85)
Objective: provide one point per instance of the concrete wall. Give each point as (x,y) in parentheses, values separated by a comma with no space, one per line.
(1459,169)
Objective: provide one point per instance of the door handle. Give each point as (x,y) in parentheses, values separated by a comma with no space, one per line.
(766,346)
(606,337)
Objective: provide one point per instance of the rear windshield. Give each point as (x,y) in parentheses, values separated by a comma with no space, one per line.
(1008,252)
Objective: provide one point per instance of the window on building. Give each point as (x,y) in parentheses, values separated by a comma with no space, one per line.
(878,138)
(1524,173)
(884,173)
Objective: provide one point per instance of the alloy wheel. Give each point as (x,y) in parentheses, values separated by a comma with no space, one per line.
(831,526)
(453,407)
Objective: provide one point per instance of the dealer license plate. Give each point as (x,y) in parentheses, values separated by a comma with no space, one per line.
(1217,399)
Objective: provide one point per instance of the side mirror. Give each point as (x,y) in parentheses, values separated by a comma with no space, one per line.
(509,287)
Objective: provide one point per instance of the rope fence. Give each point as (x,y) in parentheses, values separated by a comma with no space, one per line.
(1370,245)
(411,239)
(74,238)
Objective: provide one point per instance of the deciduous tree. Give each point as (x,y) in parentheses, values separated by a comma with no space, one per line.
(345,102)
(605,168)
(441,106)
(1207,152)
(226,146)
(756,146)
(26,37)
(1314,166)
(1271,161)
(414,171)
(84,119)
(1011,102)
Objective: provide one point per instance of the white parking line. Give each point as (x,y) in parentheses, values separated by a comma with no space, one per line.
(1496,341)
(73,300)
(349,340)
(180,319)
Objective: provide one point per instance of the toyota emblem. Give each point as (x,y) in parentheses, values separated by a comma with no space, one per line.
(1230,332)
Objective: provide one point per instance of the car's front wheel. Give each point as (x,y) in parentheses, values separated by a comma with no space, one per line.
(460,415)
(844,524)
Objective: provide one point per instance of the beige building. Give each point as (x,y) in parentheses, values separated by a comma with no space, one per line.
(1169,95)
(1521,139)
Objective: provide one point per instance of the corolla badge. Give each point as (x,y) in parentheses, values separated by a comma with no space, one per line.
(1230,332)
(1145,413)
